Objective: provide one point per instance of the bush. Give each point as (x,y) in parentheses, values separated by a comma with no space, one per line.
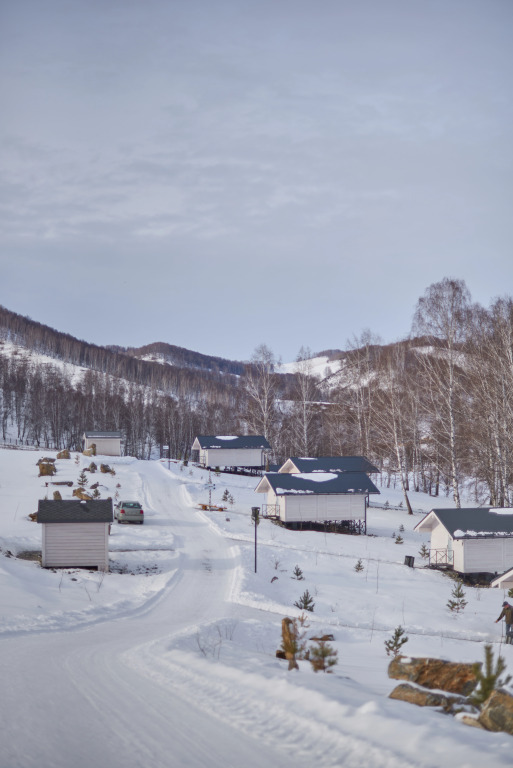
(488,679)
(305,602)
(458,602)
(297,573)
(394,645)
(322,656)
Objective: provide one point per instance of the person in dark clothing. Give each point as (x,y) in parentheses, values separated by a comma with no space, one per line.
(507,615)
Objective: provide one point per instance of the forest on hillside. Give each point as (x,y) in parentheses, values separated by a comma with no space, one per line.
(434,411)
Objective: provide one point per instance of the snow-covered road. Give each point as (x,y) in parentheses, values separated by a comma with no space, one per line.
(88,697)
(143,683)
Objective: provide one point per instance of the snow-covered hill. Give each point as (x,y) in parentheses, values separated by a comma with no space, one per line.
(169,659)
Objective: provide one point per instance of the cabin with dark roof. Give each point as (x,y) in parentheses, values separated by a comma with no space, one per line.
(75,533)
(470,541)
(329,464)
(232,451)
(318,497)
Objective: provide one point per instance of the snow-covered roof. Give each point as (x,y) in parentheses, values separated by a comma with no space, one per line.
(323,483)
(230,441)
(329,464)
(75,511)
(472,522)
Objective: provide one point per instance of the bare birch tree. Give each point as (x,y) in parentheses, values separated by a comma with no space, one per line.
(442,315)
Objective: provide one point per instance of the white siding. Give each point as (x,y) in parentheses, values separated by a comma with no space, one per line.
(104,446)
(318,508)
(231,457)
(458,556)
(75,544)
(439,537)
(487,555)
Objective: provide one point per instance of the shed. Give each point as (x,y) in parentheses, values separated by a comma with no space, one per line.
(318,497)
(472,540)
(245,451)
(75,533)
(329,464)
(504,581)
(107,443)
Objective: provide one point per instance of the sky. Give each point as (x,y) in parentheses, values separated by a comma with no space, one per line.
(218,174)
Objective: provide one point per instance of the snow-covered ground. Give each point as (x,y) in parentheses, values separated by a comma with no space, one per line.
(169,659)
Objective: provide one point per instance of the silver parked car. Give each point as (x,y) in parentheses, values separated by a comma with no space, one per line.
(129,512)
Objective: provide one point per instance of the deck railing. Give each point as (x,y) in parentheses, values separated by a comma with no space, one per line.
(441,557)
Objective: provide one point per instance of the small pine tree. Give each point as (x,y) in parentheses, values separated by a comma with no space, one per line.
(424,552)
(399,539)
(401,528)
(225,495)
(458,602)
(394,645)
(231,500)
(488,679)
(96,493)
(298,573)
(305,602)
(82,480)
(322,656)
(359,566)
(77,458)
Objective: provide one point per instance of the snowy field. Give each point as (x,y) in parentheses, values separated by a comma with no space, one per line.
(169,659)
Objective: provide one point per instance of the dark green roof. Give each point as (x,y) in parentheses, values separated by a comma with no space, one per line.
(284,483)
(334,464)
(475,521)
(75,511)
(236,441)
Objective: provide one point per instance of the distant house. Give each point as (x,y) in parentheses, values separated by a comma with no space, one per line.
(504,581)
(475,540)
(107,443)
(75,533)
(249,451)
(318,497)
(329,464)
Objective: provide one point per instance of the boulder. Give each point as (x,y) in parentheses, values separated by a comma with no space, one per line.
(89,452)
(81,494)
(46,469)
(469,720)
(425,698)
(65,454)
(105,468)
(57,496)
(434,674)
(497,712)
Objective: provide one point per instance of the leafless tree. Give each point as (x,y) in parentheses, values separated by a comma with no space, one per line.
(443,317)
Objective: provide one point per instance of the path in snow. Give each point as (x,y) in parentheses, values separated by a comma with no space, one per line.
(121,694)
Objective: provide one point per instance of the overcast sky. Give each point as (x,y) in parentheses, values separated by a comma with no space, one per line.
(221,173)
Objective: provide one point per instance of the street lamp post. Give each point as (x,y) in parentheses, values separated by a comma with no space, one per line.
(255,514)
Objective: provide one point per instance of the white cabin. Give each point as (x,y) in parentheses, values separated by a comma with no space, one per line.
(249,451)
(474,540)
(317,497)
(75,533)
(107,443)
